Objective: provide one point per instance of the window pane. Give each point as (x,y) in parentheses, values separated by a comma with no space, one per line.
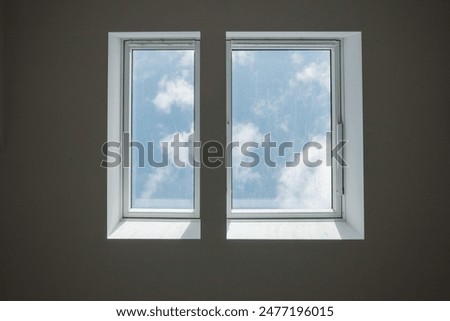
(285,93)
(162,107)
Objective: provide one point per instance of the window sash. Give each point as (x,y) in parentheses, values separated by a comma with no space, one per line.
(157,44)
(337,197)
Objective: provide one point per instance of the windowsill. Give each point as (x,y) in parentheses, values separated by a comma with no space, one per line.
(182,229)
(240,229)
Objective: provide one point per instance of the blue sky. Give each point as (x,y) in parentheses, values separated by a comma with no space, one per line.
(163,105)
(285,93)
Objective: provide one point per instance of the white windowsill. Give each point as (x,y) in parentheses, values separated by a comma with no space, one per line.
(183,229)
(240,229)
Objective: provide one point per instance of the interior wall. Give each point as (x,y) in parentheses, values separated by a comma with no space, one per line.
(53,192)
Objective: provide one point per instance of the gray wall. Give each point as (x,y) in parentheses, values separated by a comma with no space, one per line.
(53,192)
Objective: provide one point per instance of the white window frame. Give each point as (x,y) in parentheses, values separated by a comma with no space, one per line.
(258,43)
(163,44)
(123,221)
(347,219)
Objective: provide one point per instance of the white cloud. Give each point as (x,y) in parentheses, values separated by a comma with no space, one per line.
(161,175)
(183,154)
(246,132)
(313,73)
(178,92)
(284,126)
(154,181)
(187,58)
(243,175)
(242,133)
(243,58)
(262,106)
(297,58)
(142,67)
(306,187)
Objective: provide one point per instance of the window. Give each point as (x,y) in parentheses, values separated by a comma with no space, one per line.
(294,109)
(294,136)
(156,112)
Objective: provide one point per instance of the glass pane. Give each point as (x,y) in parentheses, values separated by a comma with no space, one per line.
(162,107)
(284,93)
